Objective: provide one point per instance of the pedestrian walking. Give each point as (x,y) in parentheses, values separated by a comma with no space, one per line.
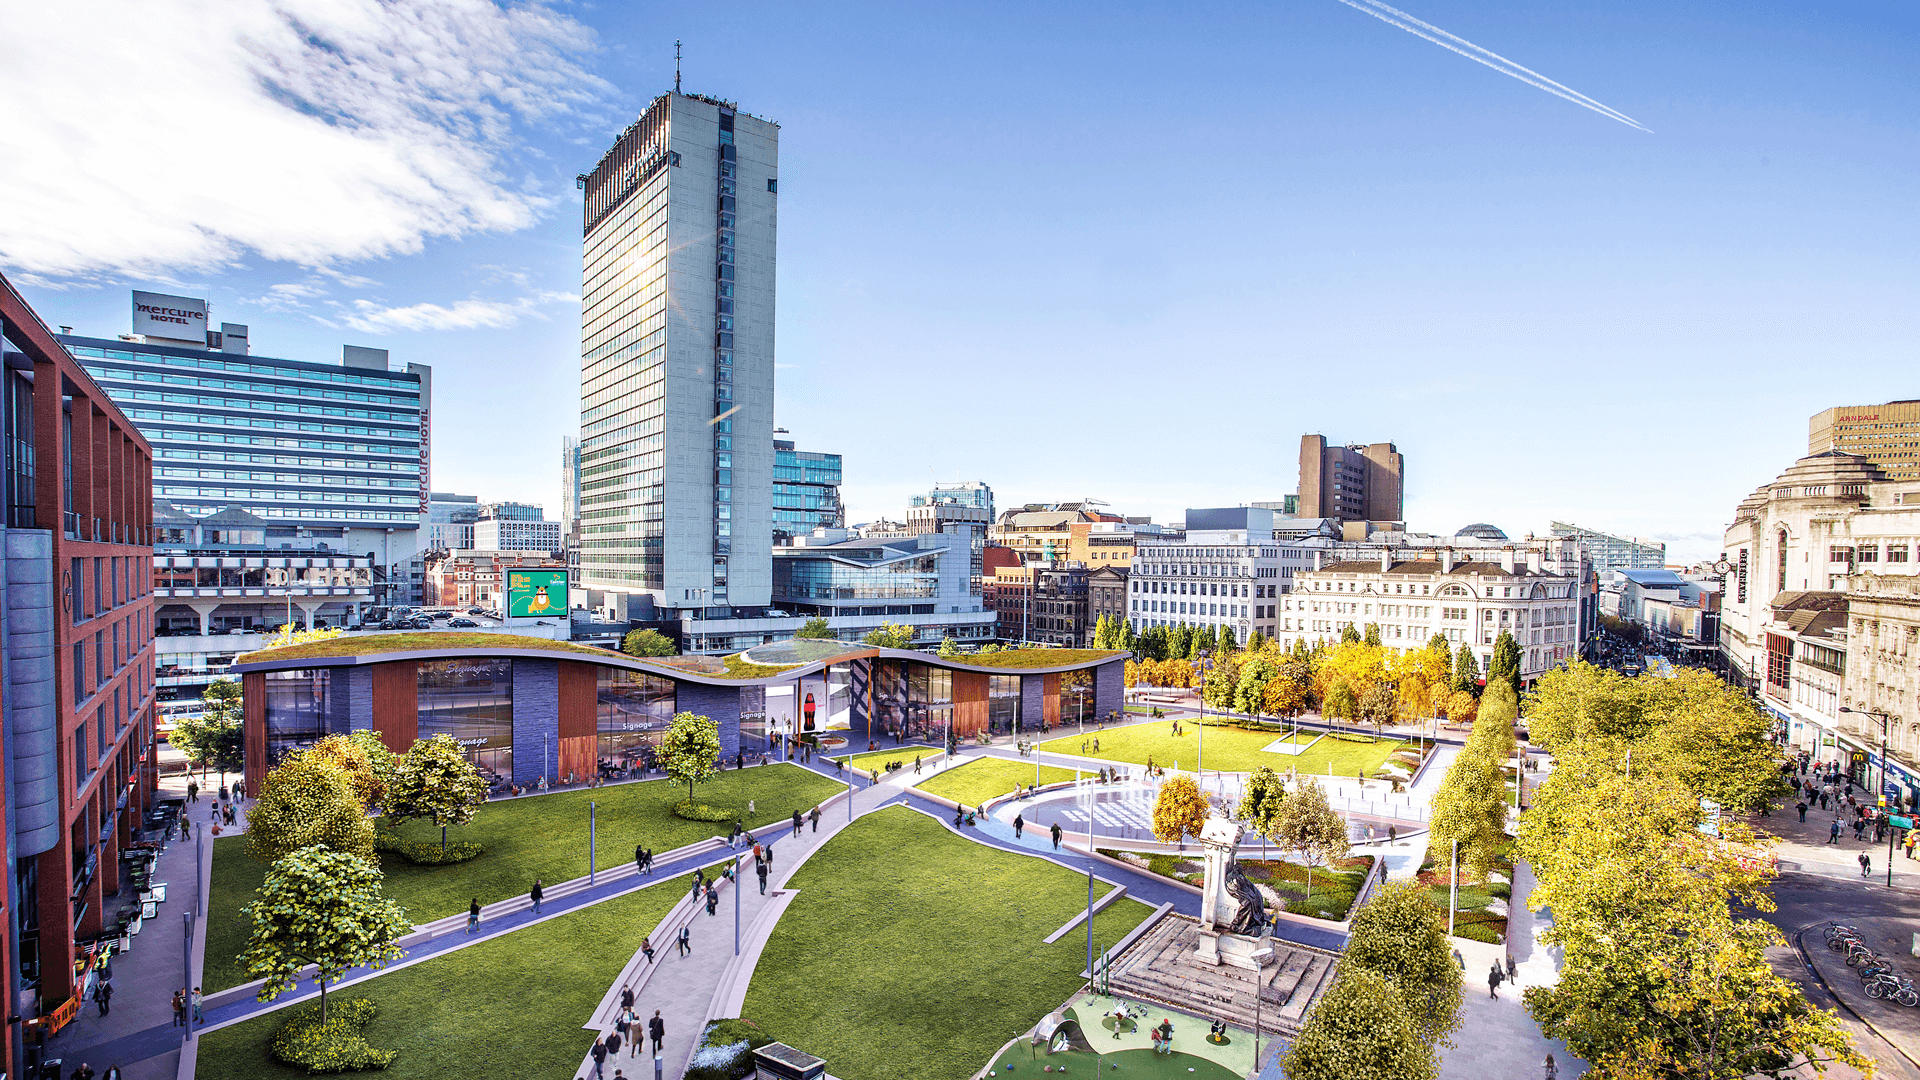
(713,900)
(1494,978)
(1802,807)
(760,870)
(1552,1069)
(599,1054)
(103,996)
(1056,836)
(626,992)
(1833,832)
(613,1044)
(815,818)
(199,1001)
(1393,835)
(84,1072)
(769,853)
(1866,865)
(1019,823)
(796,823)
(112,1073)
(193,791)
(536,894)
(639,860)
(473,916)
(1513,970)
(685,942)
(646,946)
(699,879)
(1912,837)
(916,764)
(657,1031)
(179,1008)
(223,793)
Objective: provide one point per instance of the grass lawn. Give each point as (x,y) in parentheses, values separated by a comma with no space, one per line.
(983,778)
(541,836)
(879,759)
(1476,918)
(1333,888)
(929,946)
(511,1006)
(1228,749)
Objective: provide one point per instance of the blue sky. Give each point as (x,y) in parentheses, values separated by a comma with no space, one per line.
(1112,251)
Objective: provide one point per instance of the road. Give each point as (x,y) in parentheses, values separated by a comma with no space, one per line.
(1812,899)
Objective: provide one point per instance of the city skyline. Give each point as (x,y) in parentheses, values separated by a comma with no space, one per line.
(1549,268)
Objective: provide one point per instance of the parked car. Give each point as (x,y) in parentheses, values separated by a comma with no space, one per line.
(463,623)
(476,611)
(388,624)
(421,624)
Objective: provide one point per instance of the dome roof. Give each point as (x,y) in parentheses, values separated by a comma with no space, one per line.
(1480,530)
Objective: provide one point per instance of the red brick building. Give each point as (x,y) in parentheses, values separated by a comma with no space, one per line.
(475,578)
(80,753)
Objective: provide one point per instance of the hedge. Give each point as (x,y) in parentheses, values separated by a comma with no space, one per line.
(335,1046)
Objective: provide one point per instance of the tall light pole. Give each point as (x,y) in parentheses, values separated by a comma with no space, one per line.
(1886,722)
(1201,666)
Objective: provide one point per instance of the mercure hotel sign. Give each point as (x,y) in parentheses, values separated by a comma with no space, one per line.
(183,318)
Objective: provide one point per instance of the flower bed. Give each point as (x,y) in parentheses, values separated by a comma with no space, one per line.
(1283,884)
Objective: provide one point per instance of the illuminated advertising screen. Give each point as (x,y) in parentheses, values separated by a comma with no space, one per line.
(534,593)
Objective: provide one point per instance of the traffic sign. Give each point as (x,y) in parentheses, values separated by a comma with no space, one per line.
(1899,822)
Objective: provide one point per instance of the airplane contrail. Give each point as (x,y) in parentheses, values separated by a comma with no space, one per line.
(1396,17)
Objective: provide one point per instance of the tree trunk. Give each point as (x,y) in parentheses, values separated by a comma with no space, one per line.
(443,839)
(323,1000)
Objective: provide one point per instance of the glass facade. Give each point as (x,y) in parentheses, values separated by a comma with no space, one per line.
(1076,696)
(303,706)
(823,578)
(634,709)
(471,700)
(806,491)
(1003,704)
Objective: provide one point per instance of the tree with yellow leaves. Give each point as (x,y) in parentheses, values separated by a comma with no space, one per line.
(308,800)
(1180,811)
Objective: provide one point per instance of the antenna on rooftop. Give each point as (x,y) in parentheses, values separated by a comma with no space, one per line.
(676,65)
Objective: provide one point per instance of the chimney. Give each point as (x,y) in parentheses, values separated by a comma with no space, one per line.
(1506,559)
(1386,559)
(1533,560)
(1446,560)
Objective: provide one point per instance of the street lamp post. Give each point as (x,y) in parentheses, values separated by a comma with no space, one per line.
(1880,793)
(1201,666)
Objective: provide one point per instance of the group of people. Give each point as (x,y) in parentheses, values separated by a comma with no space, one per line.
(225,808)
(628,1031)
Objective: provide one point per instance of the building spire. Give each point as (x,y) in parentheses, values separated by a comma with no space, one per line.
(676,65)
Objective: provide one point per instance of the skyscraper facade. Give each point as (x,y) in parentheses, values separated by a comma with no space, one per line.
(677,339)
(806,491)
(1887,435)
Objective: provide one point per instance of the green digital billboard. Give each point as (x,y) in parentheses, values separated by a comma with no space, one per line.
(533,593)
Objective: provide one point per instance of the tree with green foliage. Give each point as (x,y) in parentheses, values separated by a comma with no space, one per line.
(949,647)
(1256,641)
(1225,639)
(890,636)
(435,781)
(323,909)
(1376,706)
(1180,642)
(1361,1028)
(1401,935)
(1340,703)
(1261,799)
(1180,811)
(1309,825)
(690,748)
(308,800)
(214,739)
(815,627)
(1505,664)
(1438,642)
(1125,639)
(1301,651)
(1203,642)
(1466,670)
(648,642)
(350,757)
(384,762)
(1349,636)
(1372,636)
(1250,683)
(1470,806)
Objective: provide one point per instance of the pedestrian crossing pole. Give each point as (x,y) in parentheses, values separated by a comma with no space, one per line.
(591,822)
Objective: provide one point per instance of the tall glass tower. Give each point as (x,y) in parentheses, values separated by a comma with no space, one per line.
(676,354)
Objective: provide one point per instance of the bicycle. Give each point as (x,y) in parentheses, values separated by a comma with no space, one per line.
(1837,929)
(1843,942)
(1857,957)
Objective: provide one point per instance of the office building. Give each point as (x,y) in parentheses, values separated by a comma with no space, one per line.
(513,526)
(969,493)
(1456,593)
(806,492)
(1106,596)
(331,456)
(677,362)
(1609,552)
(1351,483)
(1227,570)
(942,516)
(79,740)
(1887,435)
(449,524)
(1043,532)
(570,502)
(861,583)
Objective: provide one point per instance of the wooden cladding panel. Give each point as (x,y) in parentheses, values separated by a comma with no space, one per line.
(1050,699)
(969,703)
(578,757)
(579,704)
(396,704)
(253,728)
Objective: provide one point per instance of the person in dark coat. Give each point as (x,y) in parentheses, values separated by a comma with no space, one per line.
(815,818)
(626,992)
(613,1044)
(599,1053)
(657,1030)
(536,894)
(760,869)
(1056,836)
(639,859)
(1494,978)
(473,915)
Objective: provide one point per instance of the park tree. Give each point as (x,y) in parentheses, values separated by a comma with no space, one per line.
(1301,651)
(1349,636)
(1125,639)
(1180,811)
(350,757)
(690,748)
(1372,636)
(949,647)
(1376,706)
(891,636)
(435,781)
(1261,799)
(1202,642)
(1360,1029)
(1180,645)
(1250,683)
(1309,825)
(1225,639)
(214,739)
(1466,670)
(648,642)
(307,801)
(1493,728)
(815,627)
(1340,702)
(1290,691)
(1401,935)
(384,762)
(1256,642)
(323,909)
(1505,664)
(1470,806)
(1100,632)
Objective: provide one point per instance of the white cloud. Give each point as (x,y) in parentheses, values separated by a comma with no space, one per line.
(149,135)
(369,317)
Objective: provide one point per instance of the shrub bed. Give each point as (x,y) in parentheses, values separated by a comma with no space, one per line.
(726,1053)
(424,852)
(335,1046)
(693,811)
